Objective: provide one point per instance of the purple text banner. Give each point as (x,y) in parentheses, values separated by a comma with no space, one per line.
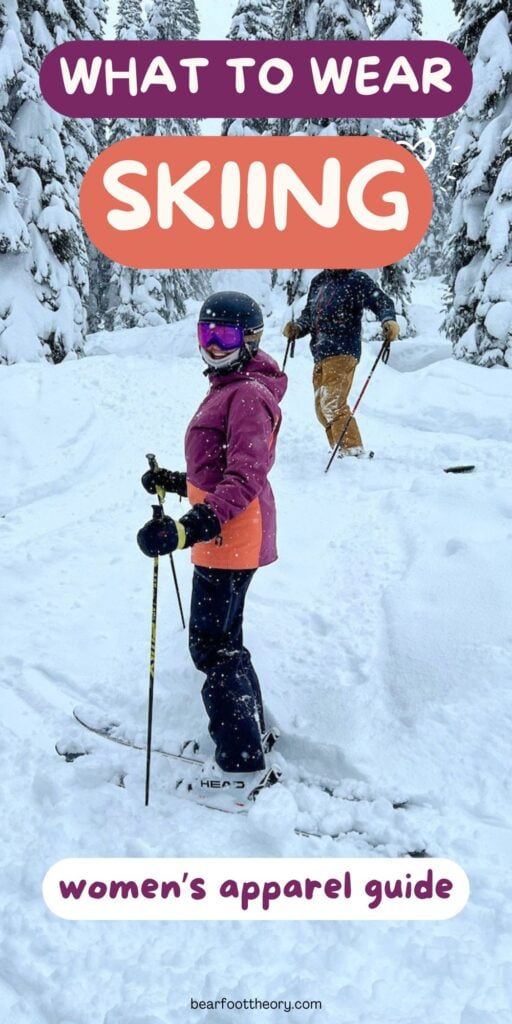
(318,79)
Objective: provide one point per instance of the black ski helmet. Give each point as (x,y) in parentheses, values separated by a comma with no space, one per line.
(238,310)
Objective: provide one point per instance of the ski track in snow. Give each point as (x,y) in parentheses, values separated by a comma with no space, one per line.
(382,640)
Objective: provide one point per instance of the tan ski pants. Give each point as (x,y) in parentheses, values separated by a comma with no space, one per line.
(332,380)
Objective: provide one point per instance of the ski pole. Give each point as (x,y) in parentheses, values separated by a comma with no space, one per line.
(157,514)
(290,350)
(382,355)
(290,345)
(153,465)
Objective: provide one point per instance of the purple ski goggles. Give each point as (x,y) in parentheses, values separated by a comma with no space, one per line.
(226,336)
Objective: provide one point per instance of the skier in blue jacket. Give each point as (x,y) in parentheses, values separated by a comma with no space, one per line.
(333,316)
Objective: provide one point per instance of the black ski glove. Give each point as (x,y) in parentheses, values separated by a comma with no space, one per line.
(164,535)
(200,524)
(174,483)
(159,537)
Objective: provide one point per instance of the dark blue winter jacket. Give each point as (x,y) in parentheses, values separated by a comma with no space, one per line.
(334,311)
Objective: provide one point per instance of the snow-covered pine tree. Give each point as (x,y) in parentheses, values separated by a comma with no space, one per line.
(327,19)
(340,19)
(95,17)
(323,19)
(138,297)
(175,19)
(398,20)
(252,20)
(44,271)
(479,316)
(430,257)
(14,237)
(369,8)
(295,22)
(134,298)
(172,19)
(100,267)
(99,264)
(292,22)
(473,16)
(395,278)
(129,24)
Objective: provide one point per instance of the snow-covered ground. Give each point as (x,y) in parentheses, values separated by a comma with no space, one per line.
(382,640)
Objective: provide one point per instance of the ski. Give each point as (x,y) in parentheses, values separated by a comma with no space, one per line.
(70,753)
(103,727)
(360,455)
(107,730)
(371,455)
(188,750)
(188,753)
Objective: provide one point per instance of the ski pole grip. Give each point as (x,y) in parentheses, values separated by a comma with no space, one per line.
(158,512)
(153,465)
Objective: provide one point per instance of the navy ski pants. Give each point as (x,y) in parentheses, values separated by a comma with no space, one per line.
(231,692)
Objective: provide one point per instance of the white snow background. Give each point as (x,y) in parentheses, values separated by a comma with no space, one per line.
(381,637)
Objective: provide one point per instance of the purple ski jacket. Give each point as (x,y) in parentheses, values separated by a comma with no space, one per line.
(229,451)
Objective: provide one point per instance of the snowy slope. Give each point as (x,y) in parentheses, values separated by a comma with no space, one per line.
(382,640)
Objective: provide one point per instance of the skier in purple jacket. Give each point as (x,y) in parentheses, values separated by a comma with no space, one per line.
(231,528)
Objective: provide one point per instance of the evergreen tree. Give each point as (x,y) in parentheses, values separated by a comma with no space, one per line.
(430,256)
(474,15)
(99,264)
(140,301)
(252,20)
(129,24)
(125,302)
(369,7)
(324,19)
(14,237)
(173,19)
(294,23)
(44,272)
(100,267)
(399,20)
(138,297)
(479,317)
(176,19)
(95,15)
(340,19)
